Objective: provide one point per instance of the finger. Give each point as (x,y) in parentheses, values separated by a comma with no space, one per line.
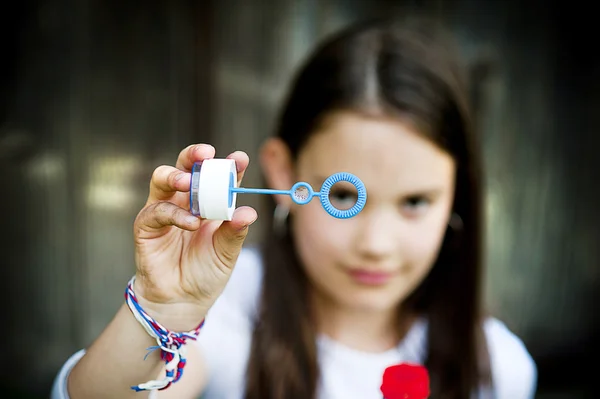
(230,236)
(192,154)
(241,163)
(166,181)
(163,214)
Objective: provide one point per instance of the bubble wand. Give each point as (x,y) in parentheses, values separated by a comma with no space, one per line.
(213,191)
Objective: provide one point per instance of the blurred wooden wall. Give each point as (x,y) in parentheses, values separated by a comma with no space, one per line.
(95,95)
(102,93)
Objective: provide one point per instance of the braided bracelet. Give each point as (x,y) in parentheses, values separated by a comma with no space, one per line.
(171,343)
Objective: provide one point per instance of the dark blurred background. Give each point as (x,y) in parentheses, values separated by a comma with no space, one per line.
(96,94)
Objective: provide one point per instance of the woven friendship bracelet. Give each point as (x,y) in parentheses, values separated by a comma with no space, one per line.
(171,343)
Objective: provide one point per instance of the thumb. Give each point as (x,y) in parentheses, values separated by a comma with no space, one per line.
(229,237)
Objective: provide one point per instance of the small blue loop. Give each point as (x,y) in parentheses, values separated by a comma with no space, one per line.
(361,199)
(308,198)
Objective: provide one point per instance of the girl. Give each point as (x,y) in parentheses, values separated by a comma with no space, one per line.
(325,305)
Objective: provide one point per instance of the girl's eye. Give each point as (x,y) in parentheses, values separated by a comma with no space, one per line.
(415,205)
(342,199)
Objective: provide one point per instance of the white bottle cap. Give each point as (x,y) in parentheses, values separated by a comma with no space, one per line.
(214,196)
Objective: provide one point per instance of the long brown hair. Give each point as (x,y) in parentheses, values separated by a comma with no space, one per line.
(418,79)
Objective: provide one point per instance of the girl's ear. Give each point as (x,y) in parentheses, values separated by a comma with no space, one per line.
(277,165)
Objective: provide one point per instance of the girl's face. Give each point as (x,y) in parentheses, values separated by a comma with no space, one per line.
(373,261)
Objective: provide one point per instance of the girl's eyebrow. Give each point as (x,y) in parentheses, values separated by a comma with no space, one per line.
(319,180)
(430,192)
(424,192)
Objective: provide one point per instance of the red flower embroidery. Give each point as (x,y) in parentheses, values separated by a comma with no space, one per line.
(405,381)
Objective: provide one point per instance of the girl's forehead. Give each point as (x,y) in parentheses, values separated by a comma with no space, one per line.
(375,147)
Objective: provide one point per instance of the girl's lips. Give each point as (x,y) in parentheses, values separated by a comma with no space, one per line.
(368,277)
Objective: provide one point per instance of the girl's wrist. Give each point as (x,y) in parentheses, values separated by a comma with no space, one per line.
(177,317)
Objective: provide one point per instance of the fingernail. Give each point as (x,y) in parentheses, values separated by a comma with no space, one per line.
(244,227)
(178,177)
(191,219)
(251,223)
